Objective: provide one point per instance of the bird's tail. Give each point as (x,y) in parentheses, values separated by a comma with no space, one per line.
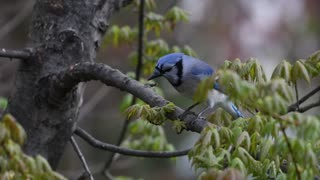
(231,109)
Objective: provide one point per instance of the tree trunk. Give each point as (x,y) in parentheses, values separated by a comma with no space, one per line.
(62,33)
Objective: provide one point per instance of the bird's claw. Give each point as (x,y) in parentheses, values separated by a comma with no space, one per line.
(201,117)
(149,85)
(184,114)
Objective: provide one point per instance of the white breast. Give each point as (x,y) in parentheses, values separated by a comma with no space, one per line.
(215,97)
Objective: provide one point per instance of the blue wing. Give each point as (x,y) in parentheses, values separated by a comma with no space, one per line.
(217,87)
(202,70)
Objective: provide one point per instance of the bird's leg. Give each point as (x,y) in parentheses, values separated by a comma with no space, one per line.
(206,110)
(192,106)
(188,110)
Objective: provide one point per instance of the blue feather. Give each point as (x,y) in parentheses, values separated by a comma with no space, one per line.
(216,86)
(236,110)
(170,59)
(202,70)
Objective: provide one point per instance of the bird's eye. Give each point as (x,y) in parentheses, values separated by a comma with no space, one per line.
(166,69)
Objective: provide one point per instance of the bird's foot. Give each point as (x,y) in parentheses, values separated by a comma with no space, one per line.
(188,111)
(201,117)
(150,85)
(185,113)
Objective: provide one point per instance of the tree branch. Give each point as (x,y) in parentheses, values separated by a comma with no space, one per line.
(137,76)
(308,107)
(290,149)
(18,54)
(62,83)
(130,152)
(140,40)
(80,155)
(121,3)
(293,107)
(93,102)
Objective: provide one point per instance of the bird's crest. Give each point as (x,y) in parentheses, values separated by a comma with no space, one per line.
(169,59)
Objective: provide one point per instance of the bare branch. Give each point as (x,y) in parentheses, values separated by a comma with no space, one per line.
(129,152)
(297,95)
(80,155)
(290,149)
(293,107)
(140,40)
(94,100)
(308,107)
(62,83)
(18,54)
(121,3)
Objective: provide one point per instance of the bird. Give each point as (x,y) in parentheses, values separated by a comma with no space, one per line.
(185,73)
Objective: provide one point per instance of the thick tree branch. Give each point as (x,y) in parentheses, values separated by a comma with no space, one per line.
(130,152)
(62,83)
(18,54)
(80,155)
(294,106)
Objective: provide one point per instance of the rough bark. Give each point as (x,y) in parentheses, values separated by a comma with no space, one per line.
(62,33)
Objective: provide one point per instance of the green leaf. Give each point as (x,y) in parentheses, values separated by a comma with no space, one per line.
(244,137)
(16,131)
(176,14)
(150,4)
(3,103)
(189,51)
(179,126)
(202,90)
(299,71)
(237,163)
(283,70)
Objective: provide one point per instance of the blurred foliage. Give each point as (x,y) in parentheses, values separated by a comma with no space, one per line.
(142,134)
(13,162)
(155,115)
(3,103)
(256,146)
(155,141)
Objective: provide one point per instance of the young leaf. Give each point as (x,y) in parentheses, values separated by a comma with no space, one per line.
(299,71)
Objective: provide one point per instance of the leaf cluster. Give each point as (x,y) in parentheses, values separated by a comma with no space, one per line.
(272,143)
(146,136)
(13,162)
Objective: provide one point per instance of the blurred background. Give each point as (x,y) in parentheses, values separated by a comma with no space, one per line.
(270,30)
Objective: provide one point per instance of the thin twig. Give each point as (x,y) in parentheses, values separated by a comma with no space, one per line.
(303,99)
(109,175)
(80,155)
(94,100)
(280,120)
(140,40)
(137,74)
(18,54)
(129,152)
(290,150)
(308,107)
(297,96)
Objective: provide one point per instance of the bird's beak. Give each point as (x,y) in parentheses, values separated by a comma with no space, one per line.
(155,74)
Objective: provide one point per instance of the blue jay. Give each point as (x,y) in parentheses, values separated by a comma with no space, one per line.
(185,73)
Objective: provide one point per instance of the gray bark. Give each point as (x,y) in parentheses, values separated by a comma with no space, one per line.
(62,33)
